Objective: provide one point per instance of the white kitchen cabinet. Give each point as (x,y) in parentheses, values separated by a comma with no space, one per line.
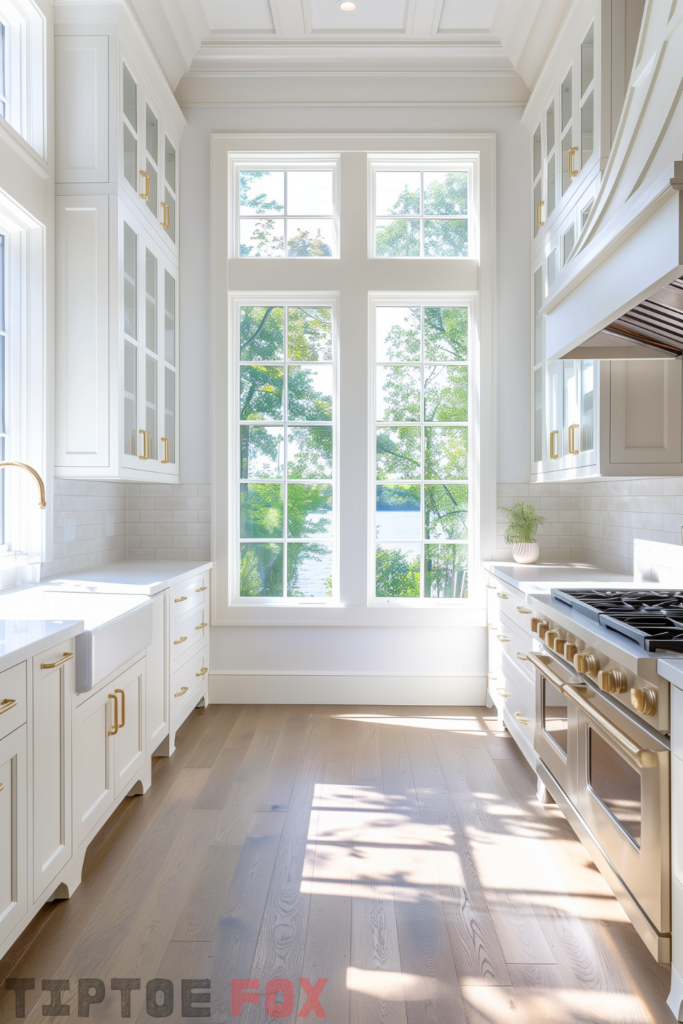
(128,732)
(53,688)
(157,658)
(13,831)
(93,763)
(117,284)
(117,345)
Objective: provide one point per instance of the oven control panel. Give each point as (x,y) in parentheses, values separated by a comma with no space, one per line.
(647,699)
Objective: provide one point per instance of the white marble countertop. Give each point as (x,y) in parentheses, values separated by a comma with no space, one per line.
(21,639)
(543,576)
(132,577)
(671,669)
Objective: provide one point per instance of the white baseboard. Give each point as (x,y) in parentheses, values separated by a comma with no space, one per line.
(351,688)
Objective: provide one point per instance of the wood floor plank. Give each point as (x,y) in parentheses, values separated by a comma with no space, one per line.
(198,920)
(285,760)
(181,960)
(207,750)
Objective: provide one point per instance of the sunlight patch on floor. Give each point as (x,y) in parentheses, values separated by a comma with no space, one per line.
(467,724)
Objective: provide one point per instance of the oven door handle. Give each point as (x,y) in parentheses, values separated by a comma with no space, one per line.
(544,668)
(643,758)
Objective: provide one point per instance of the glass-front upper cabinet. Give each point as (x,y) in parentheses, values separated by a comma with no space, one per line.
(150,352)
(149,150)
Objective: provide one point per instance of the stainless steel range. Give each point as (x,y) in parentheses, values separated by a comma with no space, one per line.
(602,736)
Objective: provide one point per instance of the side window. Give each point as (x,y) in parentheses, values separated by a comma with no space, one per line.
(422,410)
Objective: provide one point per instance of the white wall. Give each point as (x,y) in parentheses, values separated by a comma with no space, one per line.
(350,664)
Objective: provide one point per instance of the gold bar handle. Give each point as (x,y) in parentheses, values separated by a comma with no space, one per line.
(164,441)
(60,661)
(123,708)
(145,444)
(502,595)
(502,692)
(490,586)
(490,675)
(202,625)
(177,600)
(573,448)
(543,664)
(199,590)
(6,705)
(573,171)
(166,222)
(503,639)
(520,718)
(522,610)
(522,657)
(112,696)
(181,692)
(202,673)
(539,208)
(145,195)
(643,758)
(1,787)
(181,641)
(554,435)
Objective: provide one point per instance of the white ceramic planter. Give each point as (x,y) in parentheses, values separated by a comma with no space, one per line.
(527,554)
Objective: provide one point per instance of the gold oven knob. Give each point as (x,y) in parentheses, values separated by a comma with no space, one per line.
(612,681)
(542,629)
(587,664)
(533,625)
(551,636)
(569,651)
(559,645)
(644,700)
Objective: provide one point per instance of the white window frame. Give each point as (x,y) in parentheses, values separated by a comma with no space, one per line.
(295,162)
(355,283)
(25,71)
(272,298)
(427,162)
(422,299)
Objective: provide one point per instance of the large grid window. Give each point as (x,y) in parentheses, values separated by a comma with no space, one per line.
(421,474)
(287,213)
(286,451)
(421,213)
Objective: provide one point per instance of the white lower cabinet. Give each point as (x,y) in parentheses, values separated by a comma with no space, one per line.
(128,691)
(53,684)
(156,688)
(93,759)
(13,832)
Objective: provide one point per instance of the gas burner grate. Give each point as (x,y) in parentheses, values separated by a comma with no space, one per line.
(596,603)
(654,632)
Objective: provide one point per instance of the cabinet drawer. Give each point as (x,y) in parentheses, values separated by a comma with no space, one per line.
(189,677)
(510,603)
(12,699)
(188,595)
(515,645)
(188,630)
(521,703)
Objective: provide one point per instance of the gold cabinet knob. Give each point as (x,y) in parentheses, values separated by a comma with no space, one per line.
(587,664)
(570,651)
(559,645)
(612,681)
(550,637)
(644,699)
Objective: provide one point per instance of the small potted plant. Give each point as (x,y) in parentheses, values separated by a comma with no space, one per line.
(523,523)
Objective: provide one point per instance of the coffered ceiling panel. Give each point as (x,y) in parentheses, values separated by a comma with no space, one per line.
(239,15)
(369,16)
(467,15)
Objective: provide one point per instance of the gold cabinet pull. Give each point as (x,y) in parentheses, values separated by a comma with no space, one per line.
(202,673)
(643,758)
(199,590)
(520,718)
(523,611)
(573,447)
(502,692)
(6,705)
(490,675)
(522,657)
(177,600)
(164,441)
(123,708)
(501,595)
(573,171)
(60,661)
(202,625)
(503,639)
(490,586)
(166,221)
(1,787)
(112,696)
(145,444)
(554,435)
(181,641)
(181,692)
(145,195)
(539,208)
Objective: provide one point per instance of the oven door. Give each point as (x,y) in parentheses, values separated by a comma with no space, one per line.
(623,787)
(555,732)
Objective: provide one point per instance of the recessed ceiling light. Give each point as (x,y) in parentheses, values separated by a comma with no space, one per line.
(347,5)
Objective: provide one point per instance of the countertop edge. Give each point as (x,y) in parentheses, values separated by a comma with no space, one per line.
(12,658)
(144,589)
(671,669)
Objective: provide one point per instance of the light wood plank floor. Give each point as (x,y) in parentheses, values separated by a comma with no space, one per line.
(398,852)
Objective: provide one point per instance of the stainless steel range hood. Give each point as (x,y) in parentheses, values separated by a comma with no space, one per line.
(654,324)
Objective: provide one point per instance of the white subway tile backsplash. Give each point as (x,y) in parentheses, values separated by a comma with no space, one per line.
(96,522)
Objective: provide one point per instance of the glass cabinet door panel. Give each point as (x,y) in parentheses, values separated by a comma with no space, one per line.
(537,152)
(130,283)
(170,215)
(169,164)
(538,207)
(550,128)
(130,398)
(130,113)
(538,414)
(550,186)
(130,157)
(587,61)
(538,321)
(130,98)
(588,373)
(587,130)
(567,100)
(151,410)
(566,146)
(169,413)
(152,144)
(554,410)
(571,415)
(151,318)
(169,318)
